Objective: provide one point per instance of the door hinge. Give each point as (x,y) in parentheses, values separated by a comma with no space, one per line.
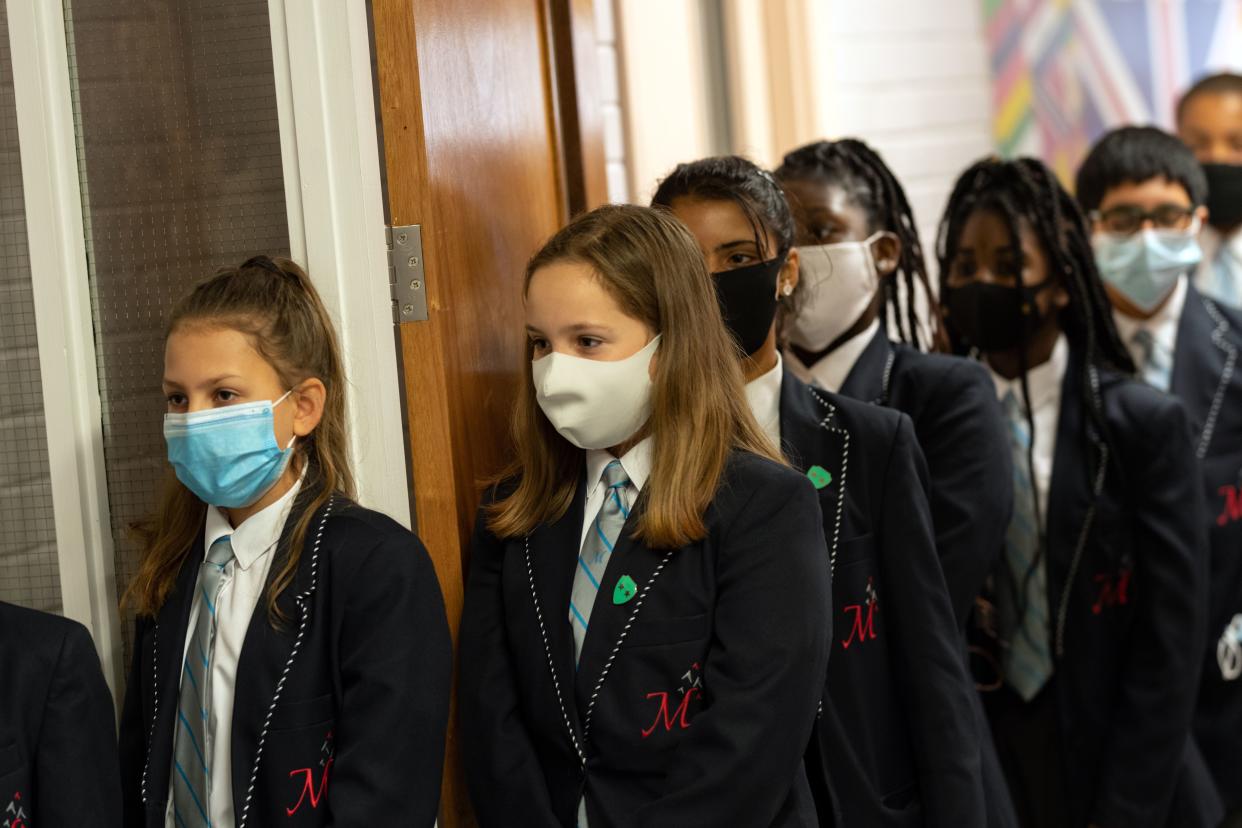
(406,279)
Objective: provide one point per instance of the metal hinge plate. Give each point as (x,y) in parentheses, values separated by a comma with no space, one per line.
(406,279)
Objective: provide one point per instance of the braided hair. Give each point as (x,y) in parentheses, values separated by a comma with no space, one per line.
(756,193)
(871,185)
(1025,189)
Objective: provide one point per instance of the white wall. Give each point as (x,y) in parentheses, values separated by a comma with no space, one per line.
(910,77)
(609,61)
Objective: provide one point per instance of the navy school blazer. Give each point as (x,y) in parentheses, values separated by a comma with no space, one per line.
(692,702)
(58,754)
(339,716)
(1208,381)
(962,432)
(898,741)
(1126,594)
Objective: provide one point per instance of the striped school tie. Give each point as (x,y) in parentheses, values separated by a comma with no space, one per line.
(191,775)
(1028,659)
(1155,362)
(596,549)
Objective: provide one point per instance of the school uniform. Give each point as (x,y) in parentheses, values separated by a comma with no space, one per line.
(959,429)
(1100,733)
(698,672)
(337,716)
(58,756)
(1190,348)
(961,434)
(897,742)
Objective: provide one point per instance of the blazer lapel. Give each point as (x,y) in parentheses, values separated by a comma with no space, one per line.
(552,552)
(172,626)
(813,438)
(1074,491)
(1203,364)
(868,379)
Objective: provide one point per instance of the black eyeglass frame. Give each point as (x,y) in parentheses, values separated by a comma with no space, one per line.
(1163,217)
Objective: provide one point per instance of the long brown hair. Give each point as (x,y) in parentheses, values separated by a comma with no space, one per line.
(273,303)
(652,267)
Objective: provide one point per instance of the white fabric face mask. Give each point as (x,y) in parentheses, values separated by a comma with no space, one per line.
(592,403)
(840,281)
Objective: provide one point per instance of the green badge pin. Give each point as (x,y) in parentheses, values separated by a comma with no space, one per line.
(625,590)
(820,476)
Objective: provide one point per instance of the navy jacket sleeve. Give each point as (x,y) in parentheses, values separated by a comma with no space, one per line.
(503,772)
(77,780)
(1158,687)
(927,644)
(765,666)
(395,680)
(963,437)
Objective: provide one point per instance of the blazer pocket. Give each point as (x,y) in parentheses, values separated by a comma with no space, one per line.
(10,760)
(855,549)
(651,632)
(297,714)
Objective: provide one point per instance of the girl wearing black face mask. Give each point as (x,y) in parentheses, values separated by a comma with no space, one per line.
(1096,612)
(897,739)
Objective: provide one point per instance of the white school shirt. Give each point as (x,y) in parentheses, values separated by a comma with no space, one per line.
(1220,253)
(831,372)
(1162,326)
(1044,382)
(764,395)
(240,590)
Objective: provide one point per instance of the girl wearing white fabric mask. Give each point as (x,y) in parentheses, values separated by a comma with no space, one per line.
(908,745)
(646,618)
(861,260)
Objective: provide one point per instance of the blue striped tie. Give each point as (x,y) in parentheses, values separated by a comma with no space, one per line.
(596,549)
(191,772)
(1156,363)
(1028,658)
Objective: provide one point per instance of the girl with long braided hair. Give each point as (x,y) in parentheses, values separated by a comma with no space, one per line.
(1095,615)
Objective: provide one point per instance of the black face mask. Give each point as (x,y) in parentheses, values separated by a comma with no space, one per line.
(1224,201)
(993,317)
(748,301)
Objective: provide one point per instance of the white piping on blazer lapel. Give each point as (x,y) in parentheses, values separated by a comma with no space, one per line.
(1226,376)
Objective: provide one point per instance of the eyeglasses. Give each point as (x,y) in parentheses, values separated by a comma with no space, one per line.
(1126,219)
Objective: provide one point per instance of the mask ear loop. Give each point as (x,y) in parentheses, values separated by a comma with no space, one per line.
(284,397)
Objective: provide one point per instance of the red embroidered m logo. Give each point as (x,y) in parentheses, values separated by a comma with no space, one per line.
(677,717)
(1231,508)
(309,791)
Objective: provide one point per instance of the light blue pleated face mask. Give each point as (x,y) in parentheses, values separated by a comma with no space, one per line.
(1145,266)
(227,456)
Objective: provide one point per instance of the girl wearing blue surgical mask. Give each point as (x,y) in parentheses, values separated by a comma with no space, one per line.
(647,617)
(291,654)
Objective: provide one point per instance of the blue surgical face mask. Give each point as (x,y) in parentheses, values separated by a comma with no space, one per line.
(1145,266)
(227,456)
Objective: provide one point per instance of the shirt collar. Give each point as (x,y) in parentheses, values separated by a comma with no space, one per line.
(1044,381)
(1163,323)
(831,372)
(257,535)
(764,395)
(636,462)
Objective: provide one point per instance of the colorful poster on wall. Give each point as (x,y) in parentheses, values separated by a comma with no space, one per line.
(1064,71)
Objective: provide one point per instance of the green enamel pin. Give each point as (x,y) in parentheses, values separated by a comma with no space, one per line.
(820,476)
(625,590)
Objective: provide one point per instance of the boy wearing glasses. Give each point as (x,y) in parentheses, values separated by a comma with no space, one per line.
(1145,195)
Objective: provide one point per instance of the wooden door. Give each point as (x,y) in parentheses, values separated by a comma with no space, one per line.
(480,150)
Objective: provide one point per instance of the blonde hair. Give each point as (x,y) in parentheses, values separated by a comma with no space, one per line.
(652,267)
(273,303)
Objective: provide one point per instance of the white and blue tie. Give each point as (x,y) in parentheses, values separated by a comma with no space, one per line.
(596,550)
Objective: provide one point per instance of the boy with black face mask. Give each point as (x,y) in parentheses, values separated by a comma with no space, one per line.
(1144,191)
(1209,120)
(1095,617)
